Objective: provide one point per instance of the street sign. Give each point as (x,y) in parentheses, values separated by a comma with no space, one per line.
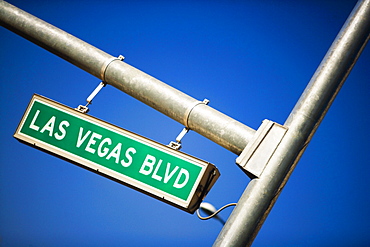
(125,157)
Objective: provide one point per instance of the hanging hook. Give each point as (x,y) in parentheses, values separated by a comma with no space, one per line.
(84,108)
(177,145)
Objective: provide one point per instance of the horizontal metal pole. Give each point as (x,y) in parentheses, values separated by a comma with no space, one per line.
(201,118)
(261,193)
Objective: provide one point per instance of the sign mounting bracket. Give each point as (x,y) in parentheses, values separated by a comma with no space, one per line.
(177,145)
(84,108)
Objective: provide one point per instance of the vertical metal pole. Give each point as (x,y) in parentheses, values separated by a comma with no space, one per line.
(261,193)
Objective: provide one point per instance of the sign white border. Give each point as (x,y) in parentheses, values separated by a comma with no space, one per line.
(206,178)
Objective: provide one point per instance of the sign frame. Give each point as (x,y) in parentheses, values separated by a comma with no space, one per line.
(205,180)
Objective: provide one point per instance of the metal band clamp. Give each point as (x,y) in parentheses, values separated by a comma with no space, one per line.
(190,108)
(177,145)
(107,63)
(84,108)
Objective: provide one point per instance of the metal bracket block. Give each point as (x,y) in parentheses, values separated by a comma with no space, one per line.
(260,149)
(82,109)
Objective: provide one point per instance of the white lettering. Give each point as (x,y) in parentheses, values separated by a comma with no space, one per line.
(105,150)
(168,175)
(62,130)
(32,125)
(115,152)
(92,141)
(155,175)
(181,185)
(82,140)
(49,126)
(129,157)
(149,163)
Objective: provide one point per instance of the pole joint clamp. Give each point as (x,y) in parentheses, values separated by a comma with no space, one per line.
(177,145)
(84,108)
(107,63)
(189,110)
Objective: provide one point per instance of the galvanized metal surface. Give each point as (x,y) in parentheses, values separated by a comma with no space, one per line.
(260,149)
(134,169)
(261,194)
(201,118)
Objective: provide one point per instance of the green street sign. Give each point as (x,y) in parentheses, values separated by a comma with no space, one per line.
(145,165)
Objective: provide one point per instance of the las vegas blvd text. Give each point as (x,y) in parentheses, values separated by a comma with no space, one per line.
(93,142)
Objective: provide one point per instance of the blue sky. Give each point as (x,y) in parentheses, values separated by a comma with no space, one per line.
(252,59)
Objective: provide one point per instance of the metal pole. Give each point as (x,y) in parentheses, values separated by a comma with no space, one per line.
(261,193)
(190,112)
